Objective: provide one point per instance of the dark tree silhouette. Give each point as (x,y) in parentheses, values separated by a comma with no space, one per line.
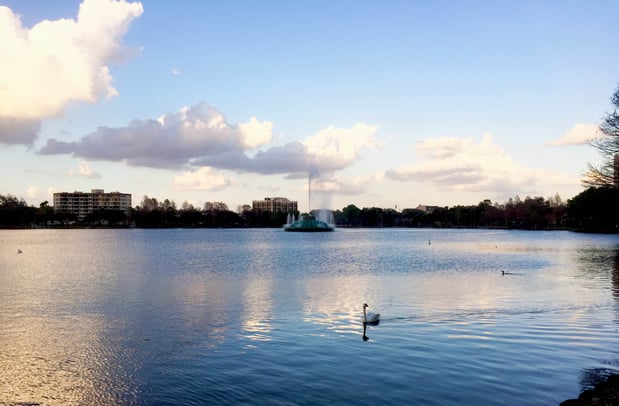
(14,212)
(595,210)
(608,145)
(351,215)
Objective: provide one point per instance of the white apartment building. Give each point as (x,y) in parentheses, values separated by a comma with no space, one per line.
(83,203)
(275,204)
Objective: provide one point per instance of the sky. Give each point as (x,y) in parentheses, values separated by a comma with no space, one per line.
(386,104)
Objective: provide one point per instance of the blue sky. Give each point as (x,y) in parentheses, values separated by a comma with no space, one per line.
(395,103)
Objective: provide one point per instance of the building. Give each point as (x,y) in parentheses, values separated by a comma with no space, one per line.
(426,208)
(82,203)
(275,204)
(616,170)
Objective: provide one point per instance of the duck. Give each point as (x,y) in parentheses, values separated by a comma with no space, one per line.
(370,317)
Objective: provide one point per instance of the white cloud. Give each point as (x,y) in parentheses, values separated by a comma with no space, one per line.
(176,72)
(33,192)
(51,191)
(36,196)
(56,62)
(85,171)
(447,147)
(200,136)
(345,186)
(461,164)
(341,144)
(269,188)
(173,140)
(255,133)
(329,150)
(578,135)
(204,178)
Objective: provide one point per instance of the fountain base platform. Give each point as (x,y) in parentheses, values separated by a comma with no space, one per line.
(308,224)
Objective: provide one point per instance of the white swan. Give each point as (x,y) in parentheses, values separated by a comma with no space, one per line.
(369,317)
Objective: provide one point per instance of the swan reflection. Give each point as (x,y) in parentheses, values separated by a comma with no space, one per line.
(365,328)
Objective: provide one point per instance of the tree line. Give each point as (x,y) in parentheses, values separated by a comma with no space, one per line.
(596,209)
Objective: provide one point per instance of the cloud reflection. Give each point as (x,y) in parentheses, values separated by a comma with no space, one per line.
(615,275)
(257,314)
(336,302)
(60,360)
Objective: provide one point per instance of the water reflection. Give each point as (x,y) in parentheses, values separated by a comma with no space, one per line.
(366,327)
(195,302)
(62,360)
(257,309)
(55,346)
(336,302)
(599,265)
(167,316)
(257,293)
(615,275)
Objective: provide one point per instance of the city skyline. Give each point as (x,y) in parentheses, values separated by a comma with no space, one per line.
(392,105)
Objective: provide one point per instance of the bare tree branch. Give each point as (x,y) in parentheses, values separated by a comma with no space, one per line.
(607,174)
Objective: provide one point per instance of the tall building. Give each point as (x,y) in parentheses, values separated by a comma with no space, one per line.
(616,169)
(275,204)
(82,203)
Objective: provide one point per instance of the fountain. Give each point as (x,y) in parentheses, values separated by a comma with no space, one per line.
(308,222)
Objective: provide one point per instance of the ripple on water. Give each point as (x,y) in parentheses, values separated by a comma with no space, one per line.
(264,317)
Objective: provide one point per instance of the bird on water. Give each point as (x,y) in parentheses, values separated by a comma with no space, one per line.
(369,317)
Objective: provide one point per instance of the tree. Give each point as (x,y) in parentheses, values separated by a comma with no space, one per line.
(187,206)
(243,208)
(608,145)
(595,209)
(351,215)
(108,217)
(189,216)
(168,205)
(45,213)
(555,201)
(537,212)
(215,206)
(412,217)
(149,204)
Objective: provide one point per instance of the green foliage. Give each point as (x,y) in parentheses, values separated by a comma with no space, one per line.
(351,215)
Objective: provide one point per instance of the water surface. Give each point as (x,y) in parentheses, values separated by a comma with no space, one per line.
(268,317)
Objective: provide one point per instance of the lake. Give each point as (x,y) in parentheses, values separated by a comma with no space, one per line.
(261,316)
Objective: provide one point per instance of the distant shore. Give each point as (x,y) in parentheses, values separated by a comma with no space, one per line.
(342,226)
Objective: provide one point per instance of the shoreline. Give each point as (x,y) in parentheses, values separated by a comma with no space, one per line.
(604,393)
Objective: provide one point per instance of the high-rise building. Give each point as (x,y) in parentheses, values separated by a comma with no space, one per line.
(82,203)
(275,204)
(616,170)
